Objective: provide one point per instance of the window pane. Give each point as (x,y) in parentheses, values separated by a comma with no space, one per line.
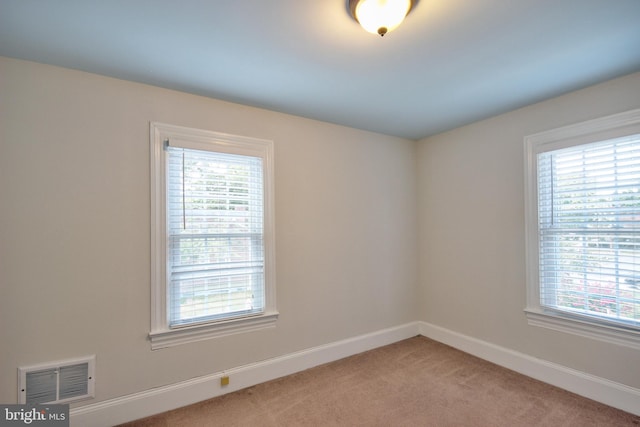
(589,225)
(215,242)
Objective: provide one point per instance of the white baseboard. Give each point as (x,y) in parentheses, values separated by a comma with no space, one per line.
(599,389)
(150,402)
(139,405)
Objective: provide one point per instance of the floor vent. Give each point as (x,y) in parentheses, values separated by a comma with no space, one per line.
(57,382)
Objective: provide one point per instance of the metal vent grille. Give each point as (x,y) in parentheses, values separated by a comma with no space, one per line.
(57,382)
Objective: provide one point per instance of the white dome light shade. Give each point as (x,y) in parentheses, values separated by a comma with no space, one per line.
(381,16)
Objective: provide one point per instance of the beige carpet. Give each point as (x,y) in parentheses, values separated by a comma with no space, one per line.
(415,382)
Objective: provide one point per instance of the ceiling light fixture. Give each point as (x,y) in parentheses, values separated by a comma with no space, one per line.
(380,16)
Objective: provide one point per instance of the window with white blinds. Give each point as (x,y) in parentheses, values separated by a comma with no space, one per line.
(589,225)
(214,220)
(212,235)
(582,187)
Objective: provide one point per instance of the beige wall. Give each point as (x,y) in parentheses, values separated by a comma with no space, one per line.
(74,229)
(471,216)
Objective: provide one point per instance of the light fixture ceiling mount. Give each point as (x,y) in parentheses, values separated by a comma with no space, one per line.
(380,16)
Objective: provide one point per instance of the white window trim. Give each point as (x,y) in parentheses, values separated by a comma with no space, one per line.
(617,125)
(161,335)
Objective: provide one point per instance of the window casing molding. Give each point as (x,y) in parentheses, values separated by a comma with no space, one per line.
(610,127)
(161,335)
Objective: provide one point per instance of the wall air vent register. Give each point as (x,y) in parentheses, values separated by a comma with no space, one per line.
(57,382)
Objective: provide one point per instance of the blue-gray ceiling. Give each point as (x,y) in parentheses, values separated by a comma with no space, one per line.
(450,63)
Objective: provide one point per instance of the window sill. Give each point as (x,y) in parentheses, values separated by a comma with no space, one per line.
(583,327)
(172,337)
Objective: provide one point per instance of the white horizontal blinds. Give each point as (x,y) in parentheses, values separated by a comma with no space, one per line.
(215,236)
(589,225)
